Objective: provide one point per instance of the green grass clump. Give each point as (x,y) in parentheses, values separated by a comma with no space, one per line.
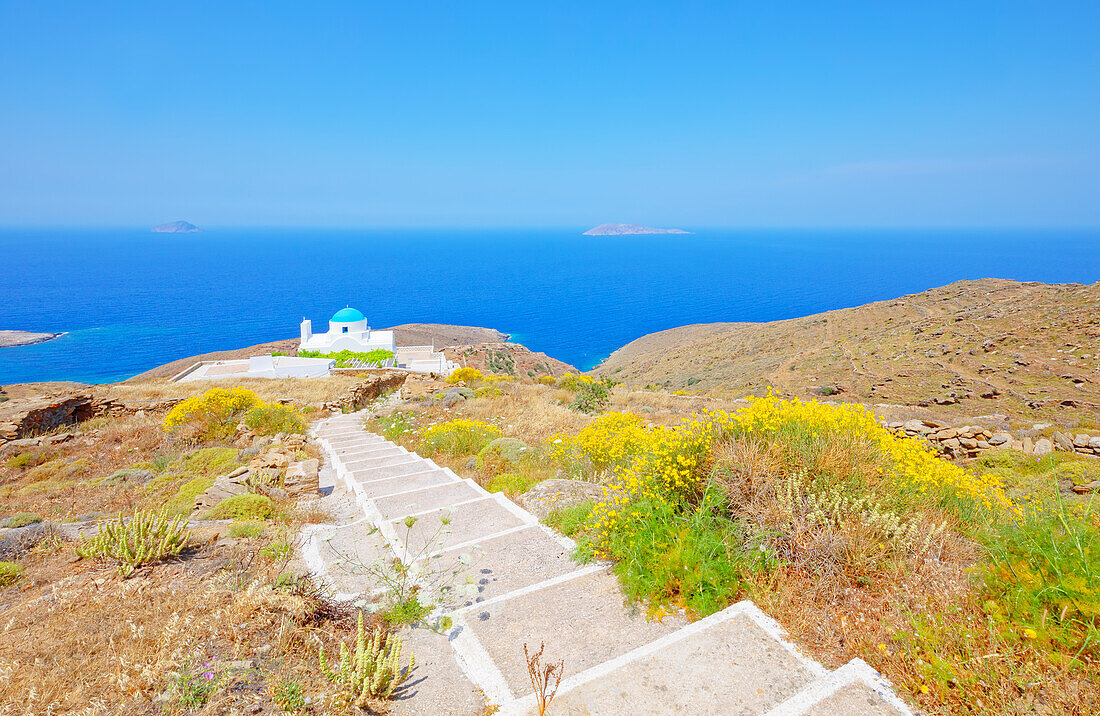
(511,484)
(569,520)
(21,519)
(246,529)
(25,460)
(183,502)
(243,507)
(209,462)
(275,418)
(688,558)
(10,572)
(1043,573)
(277,550)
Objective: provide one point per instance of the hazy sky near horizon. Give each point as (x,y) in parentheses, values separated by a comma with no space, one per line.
(683,114)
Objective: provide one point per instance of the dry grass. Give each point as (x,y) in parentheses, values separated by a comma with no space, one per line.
(309,392)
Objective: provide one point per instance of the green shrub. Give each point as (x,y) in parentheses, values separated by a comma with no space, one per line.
(511,449)
(183,502)
(211,416)
(569,520)
(405,612)
(10,572)
(209,462)
(459,437)
(490,391)
(275,418)
(1081,472)
(511,484)
(243,507)
(591,397)
(144,539)
(690,558)
(246,529)
(21,519)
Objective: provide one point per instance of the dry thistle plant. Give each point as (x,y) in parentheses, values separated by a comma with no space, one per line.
(541,675)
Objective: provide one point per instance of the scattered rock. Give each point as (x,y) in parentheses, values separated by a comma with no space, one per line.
(550,495)
(128,476)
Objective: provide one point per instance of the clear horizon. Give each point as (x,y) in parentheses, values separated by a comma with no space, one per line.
(497,115)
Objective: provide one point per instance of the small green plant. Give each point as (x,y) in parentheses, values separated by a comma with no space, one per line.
(247,530)
(21,519)
(10,572)
(409,611)
(26,460)
(144,539)
(277,550)
(511,484)
(374,669)
(183,502)
(196,683)
(274,418)
(289,695)
(569,520)
(396,425)
(243,507)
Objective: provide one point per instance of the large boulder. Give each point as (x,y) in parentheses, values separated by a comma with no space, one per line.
(550,495)
(303,479)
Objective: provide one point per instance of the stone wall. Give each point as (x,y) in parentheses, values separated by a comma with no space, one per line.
(361,394)
(969,441)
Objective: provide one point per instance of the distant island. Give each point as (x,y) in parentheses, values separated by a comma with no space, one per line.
(176,227)
(629,230)
(10,339)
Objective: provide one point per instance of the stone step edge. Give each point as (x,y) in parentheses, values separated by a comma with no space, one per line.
(747,608)
(855,671)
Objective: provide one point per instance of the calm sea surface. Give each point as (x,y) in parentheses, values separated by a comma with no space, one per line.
(131,300)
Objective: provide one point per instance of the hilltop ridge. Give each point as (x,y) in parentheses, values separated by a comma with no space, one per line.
(987,344)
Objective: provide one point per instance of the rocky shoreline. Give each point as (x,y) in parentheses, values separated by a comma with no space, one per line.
(11,339)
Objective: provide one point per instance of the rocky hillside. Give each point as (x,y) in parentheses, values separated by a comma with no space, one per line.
(989,345)
(508,359)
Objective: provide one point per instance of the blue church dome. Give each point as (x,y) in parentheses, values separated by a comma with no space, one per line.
(348,315)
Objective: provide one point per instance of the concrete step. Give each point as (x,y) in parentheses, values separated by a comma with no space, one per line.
(528,558)
(582,621)
(430,477)
(380,472)
(389,457)
(348,453)
(339,556)
(469,522)
(436,686)
(854,689)
(733,662)
(418,500)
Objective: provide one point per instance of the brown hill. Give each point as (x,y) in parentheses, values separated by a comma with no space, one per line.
(987,345)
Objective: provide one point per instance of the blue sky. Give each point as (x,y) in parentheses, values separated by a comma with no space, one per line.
(551,114)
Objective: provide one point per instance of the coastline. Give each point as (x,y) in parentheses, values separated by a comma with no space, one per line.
(15,339)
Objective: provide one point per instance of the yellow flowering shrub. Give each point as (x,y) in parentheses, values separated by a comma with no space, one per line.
(572,381)
(908,463)
(213,415)
(465,374)
(459,437)
(546,380)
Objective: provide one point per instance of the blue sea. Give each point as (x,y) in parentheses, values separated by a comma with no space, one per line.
(129,300)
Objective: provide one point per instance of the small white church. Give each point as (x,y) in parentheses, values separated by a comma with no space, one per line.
(347,330)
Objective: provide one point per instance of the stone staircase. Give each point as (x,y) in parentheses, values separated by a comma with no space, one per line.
(519,585)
